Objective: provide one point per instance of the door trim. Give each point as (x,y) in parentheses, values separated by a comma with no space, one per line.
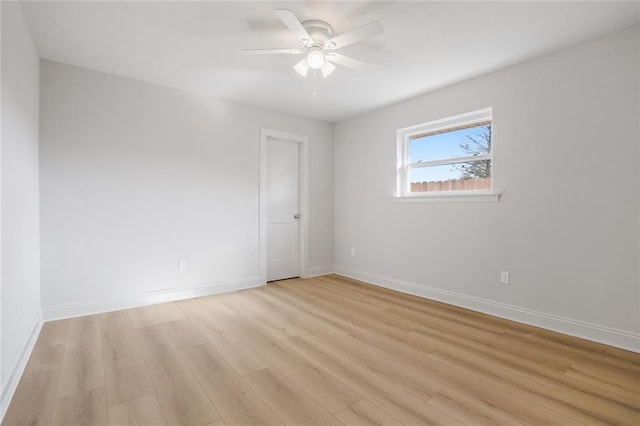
(303,180)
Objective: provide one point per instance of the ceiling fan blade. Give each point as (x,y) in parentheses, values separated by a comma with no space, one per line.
(364,32)
(269,51)
(347,61)
(302,67)
(294,25)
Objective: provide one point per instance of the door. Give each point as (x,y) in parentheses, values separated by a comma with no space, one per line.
(282,209)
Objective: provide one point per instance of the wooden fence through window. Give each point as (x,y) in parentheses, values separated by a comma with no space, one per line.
(452,185)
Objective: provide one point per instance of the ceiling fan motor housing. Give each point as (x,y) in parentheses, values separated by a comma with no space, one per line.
(319,31)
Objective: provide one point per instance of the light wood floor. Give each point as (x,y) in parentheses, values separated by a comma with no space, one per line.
(319,351)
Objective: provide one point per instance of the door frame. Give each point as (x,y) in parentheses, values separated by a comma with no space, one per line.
(303,198)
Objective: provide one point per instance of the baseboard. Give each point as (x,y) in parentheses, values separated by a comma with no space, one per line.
(9,383)
(89,307)
(610,336)
(316,271)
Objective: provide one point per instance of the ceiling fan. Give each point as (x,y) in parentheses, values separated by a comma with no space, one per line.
(319,45)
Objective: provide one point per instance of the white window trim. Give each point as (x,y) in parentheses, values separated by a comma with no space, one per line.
(404,135)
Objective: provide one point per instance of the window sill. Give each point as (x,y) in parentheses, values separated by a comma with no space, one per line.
(448,197)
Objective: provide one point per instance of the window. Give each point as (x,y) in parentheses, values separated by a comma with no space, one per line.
(449,156)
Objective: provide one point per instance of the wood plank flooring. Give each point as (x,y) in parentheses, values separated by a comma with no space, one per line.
(320,351)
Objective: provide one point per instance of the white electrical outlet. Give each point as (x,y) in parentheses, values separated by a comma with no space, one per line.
(504,277)
(353,251)
(182,264)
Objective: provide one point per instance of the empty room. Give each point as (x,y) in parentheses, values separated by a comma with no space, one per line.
(311,213)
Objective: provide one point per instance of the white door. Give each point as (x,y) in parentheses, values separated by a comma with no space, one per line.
(283,208)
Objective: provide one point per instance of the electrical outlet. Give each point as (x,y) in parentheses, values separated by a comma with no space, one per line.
(504,277)
(353,251)
(182,264)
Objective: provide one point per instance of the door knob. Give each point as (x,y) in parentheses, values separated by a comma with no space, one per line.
(296,216)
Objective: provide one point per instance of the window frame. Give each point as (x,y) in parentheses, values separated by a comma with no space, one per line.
(405,135)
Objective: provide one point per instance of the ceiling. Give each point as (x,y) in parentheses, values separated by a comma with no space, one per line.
(196,46)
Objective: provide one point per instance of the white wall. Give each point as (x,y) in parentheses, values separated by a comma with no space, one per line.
(135,176)
(20,248)
(2,385)
(567,163)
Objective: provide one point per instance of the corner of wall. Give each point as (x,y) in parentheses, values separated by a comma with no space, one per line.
(316,271)
(9,383)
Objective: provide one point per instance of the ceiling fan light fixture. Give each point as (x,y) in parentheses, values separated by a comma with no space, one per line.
(327,69)
(302,67)
(315,58)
